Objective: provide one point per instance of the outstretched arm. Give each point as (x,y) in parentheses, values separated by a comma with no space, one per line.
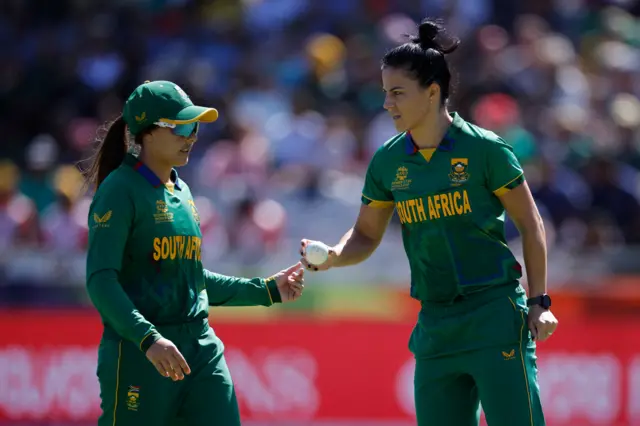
(360,241)
(284,286)
(225,290)
(375,213)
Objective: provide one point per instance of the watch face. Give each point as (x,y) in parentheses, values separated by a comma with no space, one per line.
(546,301)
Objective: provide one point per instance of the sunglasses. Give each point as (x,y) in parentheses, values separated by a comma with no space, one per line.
(183,130)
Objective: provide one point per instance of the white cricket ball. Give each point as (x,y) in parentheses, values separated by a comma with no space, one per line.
(316,253)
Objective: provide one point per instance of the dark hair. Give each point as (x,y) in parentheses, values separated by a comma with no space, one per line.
(424,57)
(110,152)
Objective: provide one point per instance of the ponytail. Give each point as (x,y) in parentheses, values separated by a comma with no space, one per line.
(109,155)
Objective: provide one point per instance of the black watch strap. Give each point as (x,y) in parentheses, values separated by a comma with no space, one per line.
(543,301)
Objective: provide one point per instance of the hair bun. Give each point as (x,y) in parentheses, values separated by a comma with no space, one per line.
(428,32)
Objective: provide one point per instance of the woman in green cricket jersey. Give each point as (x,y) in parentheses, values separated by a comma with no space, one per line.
(451,183)
(159,361)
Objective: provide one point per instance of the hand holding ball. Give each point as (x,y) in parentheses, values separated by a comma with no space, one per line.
(316,253)
(317,256)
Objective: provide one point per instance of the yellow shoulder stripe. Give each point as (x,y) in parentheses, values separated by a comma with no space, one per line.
(377,203)
(505,188)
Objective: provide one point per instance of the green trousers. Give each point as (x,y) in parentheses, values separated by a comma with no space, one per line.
(476,351)
(133,393)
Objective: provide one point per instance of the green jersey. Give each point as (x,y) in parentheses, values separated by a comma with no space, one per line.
(144,262)
(447,201)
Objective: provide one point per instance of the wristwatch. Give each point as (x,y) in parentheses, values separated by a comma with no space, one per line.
(543,300)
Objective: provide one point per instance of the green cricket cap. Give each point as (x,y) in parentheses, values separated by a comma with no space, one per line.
(162,101)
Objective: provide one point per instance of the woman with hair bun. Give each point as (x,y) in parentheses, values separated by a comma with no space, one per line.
(451,183)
